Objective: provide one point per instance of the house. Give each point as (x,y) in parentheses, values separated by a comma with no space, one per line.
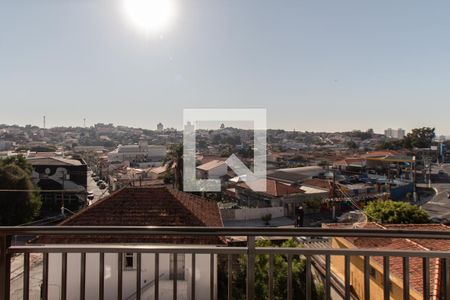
(352,165)
(61,181)
(142,155)
(150,206)
(395,263)
(214,169)
(277,194)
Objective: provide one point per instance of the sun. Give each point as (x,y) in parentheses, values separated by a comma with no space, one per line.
(150,16)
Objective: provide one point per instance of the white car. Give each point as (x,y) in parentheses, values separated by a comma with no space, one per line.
(90,195)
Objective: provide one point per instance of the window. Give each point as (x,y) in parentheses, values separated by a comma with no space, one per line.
(129,261)
(373,272)
(180,267)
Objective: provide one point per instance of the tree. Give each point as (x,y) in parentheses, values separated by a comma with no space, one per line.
(352,145)
(420,138)
(20,161)
(17,207)
(393,212)
(392,145)
(262,276)
(174,160)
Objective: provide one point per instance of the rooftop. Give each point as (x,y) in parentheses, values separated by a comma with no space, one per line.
(275,188)
(149,206)
(211,165)
(395,263)
(54,161)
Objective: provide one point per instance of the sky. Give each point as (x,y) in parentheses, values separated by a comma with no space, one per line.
(316,65)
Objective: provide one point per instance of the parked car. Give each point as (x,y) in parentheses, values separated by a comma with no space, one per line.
(102,186)
(441,172)
(448,194)
(90,195)
(96,178)
(100,182)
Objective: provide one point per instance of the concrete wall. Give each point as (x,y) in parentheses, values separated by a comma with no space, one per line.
(251,213)
(202,277)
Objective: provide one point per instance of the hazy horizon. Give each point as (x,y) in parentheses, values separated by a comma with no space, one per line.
(214,128)
(322,66)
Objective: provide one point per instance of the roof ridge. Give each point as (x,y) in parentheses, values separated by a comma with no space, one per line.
(194,199)
(417,244)
(175,194)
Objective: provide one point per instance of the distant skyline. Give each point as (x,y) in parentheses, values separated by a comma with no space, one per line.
(314,65)
(438,134)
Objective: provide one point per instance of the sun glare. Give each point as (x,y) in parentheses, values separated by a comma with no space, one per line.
(150,16)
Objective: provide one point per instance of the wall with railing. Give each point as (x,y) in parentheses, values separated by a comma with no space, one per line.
(93,277)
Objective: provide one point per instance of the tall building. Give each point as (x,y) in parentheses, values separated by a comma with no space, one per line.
(160,127)
(394,133)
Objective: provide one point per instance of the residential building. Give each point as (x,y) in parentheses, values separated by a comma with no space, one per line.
(396,276)
(6,145)
(214,169)
(152,206)
(62,181)
(142,155)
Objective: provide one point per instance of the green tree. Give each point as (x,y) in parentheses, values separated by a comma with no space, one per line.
(280,276)
(20,161)
(393,212)
(174,160)
(392,145)
(420,138)
(17,207)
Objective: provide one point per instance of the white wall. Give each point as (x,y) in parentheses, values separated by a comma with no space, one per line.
(202,276)
(251,213)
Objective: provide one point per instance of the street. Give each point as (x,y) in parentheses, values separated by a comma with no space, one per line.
(92,187)
(439,206)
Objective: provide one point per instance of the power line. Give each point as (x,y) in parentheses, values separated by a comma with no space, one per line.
(42,191)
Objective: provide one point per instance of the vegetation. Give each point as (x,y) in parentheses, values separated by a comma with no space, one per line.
(262,276)
(417,138)
(420,138)
(17,207)
(48,148)
(315,203)
(363,135)
(392,212)
(174,161)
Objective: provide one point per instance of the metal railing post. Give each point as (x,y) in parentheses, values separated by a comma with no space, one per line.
(250,267)
(5,266)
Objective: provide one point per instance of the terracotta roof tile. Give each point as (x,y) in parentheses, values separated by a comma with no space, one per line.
(148,206)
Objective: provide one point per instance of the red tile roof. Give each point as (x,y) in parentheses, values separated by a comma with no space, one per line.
(148,206)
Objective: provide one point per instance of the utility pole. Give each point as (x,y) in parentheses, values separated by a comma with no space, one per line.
(84,122)
(414,179)
(43,122)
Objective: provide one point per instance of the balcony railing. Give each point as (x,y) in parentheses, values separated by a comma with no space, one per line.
(317,261)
